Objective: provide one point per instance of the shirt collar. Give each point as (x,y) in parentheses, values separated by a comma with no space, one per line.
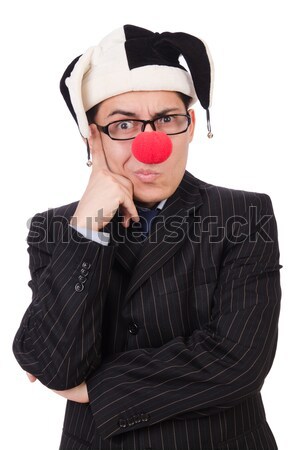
(159,206)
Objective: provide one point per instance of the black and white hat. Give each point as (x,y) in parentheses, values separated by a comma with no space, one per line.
(135,59)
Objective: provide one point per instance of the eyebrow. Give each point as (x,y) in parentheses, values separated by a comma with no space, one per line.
(132,114)
(122,112)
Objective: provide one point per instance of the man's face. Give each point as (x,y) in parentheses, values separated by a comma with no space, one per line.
(146,105)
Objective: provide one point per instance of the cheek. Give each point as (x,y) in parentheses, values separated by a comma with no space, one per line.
(176,164)
(117,153)
(179,153)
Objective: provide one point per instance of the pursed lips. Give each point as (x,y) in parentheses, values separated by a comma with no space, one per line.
(146,175)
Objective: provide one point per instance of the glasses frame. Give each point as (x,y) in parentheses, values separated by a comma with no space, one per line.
(105,128)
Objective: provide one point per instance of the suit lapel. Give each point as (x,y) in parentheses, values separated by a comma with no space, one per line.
(128,243)
(168,233)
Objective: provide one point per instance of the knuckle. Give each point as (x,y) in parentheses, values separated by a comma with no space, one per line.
(104,172)
(127,182)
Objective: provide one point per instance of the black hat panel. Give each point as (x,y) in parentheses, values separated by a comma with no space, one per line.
(195,53)
(64,89)
(144,48)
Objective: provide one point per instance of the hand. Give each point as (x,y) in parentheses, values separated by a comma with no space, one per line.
(77,394)
(105,193)
(31,377)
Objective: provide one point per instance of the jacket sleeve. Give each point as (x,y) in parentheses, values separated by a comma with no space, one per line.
(59,339)
(215,367)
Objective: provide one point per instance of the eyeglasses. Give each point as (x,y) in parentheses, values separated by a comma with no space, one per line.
(123,130)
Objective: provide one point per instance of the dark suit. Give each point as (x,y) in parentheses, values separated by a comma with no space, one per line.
(174,335)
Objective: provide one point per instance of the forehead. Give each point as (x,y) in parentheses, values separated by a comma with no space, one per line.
(141,101)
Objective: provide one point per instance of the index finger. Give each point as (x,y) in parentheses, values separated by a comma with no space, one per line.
(98,155)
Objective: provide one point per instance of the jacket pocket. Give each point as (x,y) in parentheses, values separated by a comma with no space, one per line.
(260,437)
(69,442)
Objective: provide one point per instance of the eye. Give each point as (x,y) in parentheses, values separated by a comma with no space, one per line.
(124,125)
(166,119)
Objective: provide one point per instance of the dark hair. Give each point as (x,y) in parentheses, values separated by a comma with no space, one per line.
(91,113)
(186,100)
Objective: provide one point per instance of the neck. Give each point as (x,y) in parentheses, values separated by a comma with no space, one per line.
(150,205)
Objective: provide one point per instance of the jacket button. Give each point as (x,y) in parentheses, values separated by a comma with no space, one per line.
(133,328)
(84,272)
(145,417)
(82,279)
(130,421)
(86,265)
(137,418)
(122,423)
(79,287)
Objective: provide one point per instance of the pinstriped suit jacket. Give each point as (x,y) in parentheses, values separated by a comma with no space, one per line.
(174,335)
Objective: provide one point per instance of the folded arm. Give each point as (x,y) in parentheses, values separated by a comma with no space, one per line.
(215,367)
(59,339)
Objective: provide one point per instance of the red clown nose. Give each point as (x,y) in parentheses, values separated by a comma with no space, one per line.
(152,147)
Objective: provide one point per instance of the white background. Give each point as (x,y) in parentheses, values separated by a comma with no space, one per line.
(254,120)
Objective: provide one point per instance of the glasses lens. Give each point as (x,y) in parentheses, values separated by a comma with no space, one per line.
(175,124)
(129,129)
(125,129)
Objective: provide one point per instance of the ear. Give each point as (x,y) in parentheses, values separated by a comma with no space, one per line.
(192,125)
(93,137)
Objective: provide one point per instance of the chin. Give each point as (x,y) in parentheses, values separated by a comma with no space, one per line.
(155,192)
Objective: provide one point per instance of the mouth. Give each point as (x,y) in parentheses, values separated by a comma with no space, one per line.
(146,175)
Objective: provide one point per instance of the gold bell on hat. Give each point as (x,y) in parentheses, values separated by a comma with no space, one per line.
(210,134)
(89,162)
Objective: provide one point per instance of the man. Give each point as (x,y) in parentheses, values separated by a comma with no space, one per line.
(156,296)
